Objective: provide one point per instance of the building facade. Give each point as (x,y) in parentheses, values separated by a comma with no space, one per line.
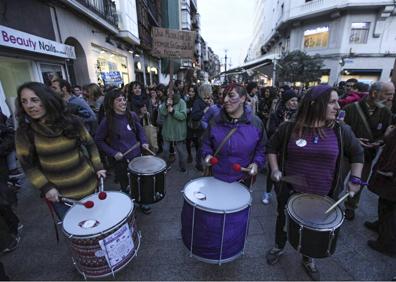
(356,38)
(83,41)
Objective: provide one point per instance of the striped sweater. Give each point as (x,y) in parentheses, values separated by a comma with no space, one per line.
(52,160)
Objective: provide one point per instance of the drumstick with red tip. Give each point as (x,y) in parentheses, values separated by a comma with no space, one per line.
(102,195)
(214,161)
(238,168)
(87,204)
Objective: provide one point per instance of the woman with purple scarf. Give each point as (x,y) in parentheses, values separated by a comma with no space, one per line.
(311,147)
(244,147)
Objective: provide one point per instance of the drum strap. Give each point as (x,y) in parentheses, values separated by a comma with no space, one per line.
(51,208)
(228,136)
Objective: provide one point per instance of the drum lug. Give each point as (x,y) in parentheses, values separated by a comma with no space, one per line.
(139,189)
(331,238)
(192,232)
(154,194)
(300,230)
(222,237)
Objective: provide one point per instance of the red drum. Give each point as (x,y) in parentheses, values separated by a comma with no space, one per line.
(103,239)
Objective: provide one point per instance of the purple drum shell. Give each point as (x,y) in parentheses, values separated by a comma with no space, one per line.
(208,228)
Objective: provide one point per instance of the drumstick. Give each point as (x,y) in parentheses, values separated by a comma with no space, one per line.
(338,202)
(151,152)
(87,204)
(132,148)
(238,168)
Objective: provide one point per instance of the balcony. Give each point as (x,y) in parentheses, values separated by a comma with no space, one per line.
(317,7)
(152,11)
(105,9)
(102,12)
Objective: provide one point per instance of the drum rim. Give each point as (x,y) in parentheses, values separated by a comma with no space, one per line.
(147,174)
(196,205)
(310,227)
(125,219)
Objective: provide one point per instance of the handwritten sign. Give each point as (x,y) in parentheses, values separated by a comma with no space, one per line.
(171,43)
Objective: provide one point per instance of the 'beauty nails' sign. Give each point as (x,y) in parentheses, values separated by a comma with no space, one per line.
(21,40)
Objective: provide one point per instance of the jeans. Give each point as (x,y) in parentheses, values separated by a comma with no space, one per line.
(181,152)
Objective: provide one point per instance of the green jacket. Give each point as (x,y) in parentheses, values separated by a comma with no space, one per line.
(175,125)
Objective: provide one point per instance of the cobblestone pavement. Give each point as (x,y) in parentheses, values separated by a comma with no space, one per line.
(162,255)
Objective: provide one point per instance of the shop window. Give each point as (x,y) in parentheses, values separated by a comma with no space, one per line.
(316,38)
(359,33)
(50,72)
(110,68)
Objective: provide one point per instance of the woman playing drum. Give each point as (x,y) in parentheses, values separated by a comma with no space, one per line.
(119,135)
(49,145)
(246,139)
(311,147)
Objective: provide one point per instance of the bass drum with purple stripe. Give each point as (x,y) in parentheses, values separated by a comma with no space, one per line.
(215,219)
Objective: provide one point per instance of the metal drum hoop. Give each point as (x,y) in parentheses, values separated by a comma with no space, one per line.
(196,205)
(147,174)
(123,221)
(301,224)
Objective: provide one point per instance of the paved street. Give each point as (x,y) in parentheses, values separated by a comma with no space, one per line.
(163,256)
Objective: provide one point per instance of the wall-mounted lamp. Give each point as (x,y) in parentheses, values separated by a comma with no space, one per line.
(130,51)
(148,68)
(139,65)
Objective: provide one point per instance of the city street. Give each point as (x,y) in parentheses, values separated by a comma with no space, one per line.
(163,256)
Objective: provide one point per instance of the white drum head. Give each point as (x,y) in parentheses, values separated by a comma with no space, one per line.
(211,194)
(147,165)
(105,214)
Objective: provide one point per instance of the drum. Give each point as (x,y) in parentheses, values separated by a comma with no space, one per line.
(104,238)
(309,230)
(215,219)
(147,179)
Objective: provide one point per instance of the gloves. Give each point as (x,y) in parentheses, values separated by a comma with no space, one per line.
(253,169)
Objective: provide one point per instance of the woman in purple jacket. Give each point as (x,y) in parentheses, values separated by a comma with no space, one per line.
(245,146)
(312,147)
(118,132)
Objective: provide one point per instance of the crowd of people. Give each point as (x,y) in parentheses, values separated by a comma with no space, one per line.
(68,137)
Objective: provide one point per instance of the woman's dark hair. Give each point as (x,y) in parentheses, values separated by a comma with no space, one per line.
(57,116)
(313,109)
(108,104)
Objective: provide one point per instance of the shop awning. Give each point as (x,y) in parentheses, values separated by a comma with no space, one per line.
(249,66)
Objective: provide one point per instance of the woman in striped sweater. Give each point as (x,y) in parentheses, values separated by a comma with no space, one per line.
(312,147)
(55,150)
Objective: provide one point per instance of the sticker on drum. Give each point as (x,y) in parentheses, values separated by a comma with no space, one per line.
(104,215)
(99,253)
(147,165)
(89,223)
(211,194)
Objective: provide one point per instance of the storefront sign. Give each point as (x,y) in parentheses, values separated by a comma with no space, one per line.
(21,40)
(170,43)
(112,78)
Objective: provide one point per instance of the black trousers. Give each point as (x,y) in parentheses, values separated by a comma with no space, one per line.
(387,225)
(121,173)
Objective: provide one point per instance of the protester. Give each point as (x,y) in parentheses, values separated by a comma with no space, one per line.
(137,97)
(252,99)
(309,147)
(174,129)
(383,183)
(286,110)
(246,138)
(202,102)
(54,148)
(120,136)
(9,222)
(369,119)
(76,105)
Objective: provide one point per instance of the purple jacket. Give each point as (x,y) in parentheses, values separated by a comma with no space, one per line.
(245,146)
(124,138)
(210,113)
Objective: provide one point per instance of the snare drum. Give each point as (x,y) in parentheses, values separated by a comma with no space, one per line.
(104,238)
(215,219)
(309,230)
(147,179)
